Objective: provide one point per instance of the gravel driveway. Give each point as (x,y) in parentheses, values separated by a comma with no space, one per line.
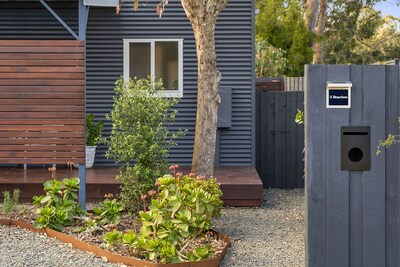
(272,235)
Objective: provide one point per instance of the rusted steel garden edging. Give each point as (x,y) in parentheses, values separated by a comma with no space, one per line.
(81,245)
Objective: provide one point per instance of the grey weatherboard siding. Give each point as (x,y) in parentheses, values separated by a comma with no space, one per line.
(105,33)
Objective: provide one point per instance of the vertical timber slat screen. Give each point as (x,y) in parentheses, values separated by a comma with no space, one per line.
(279,140)
(42,101)
(352,216)
(294,84)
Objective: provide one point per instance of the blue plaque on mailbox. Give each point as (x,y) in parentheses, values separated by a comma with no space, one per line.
(338,95)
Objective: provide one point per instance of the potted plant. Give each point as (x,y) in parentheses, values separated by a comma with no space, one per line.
(94,132)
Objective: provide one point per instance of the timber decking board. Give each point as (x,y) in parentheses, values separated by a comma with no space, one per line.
(241,186)
(41,62)
(40,43)
(392,168)
(45,115)
(42,147)
(41,56)
(46,95)
(41,108)
(337,193)
(44,135)
(41,75)
(38,88)
(41,121)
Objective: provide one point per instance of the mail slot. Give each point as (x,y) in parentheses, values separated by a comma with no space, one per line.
(355,148)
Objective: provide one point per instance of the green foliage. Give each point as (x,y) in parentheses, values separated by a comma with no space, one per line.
(388,142)
(111,238)
(109,212)
(9,203)
(299,117)
(270,61)
(58,208)
(383,44)
(281,24)
(357,34)
(94,130)
(181,212)
(140,134)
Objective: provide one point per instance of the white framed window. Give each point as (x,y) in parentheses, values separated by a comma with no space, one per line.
(159,58)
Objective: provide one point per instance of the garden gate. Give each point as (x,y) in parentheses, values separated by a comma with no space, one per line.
(279,140)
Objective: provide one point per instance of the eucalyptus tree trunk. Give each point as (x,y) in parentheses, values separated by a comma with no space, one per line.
(318,46)
(203,15)
(312,8)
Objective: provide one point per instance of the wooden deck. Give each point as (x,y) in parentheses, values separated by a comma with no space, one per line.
(241,186)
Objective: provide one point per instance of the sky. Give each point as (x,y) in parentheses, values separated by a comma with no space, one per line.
(389,7)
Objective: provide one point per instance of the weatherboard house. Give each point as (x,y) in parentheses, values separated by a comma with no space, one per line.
(59,60)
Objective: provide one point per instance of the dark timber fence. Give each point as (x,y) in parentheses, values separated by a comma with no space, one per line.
(352,216)
(279,140)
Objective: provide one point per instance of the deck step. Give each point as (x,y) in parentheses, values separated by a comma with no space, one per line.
(241,186)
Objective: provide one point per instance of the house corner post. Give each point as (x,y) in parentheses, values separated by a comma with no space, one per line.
(82,188)
(83,12)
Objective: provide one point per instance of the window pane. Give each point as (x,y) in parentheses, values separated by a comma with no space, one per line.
(167,64)
(139,60)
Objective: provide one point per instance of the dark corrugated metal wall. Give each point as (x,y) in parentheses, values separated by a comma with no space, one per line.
(105,33)
(30,20)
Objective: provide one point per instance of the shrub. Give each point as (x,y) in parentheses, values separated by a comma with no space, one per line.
(140,134)
(58,208)
(178,215)
(9,203)
(94,130)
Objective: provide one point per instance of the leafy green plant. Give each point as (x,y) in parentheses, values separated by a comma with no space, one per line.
(9,203)
(109,212)
(140,136)
(389,141)
(299,117)
(111,238)
(94,130)
(179,214)
(300,120)
(58,208)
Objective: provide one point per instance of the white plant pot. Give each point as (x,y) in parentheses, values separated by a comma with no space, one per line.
(90,154)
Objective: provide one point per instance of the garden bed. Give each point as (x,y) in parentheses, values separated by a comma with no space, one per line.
(220,247)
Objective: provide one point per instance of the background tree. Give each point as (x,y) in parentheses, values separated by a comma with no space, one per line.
(316,12)
(312,11)
(203,17)
(281,24)
(270,61)
(383,45)
(350,24)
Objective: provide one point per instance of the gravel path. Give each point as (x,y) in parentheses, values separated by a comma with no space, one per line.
(22,248)
(272,235)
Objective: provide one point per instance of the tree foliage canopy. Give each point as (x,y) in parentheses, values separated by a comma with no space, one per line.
(354,33)
(357,34)
(281,24)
